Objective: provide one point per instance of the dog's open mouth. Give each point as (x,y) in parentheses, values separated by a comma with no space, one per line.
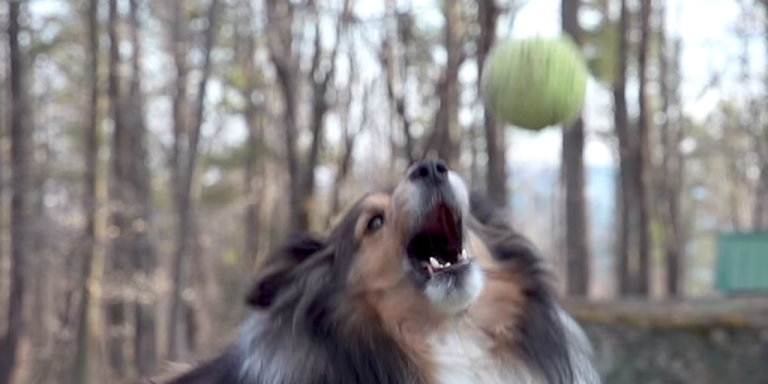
(438,246)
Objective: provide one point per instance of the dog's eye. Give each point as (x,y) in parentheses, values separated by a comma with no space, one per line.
(374,224)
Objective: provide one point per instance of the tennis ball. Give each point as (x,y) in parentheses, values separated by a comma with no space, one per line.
(535,82)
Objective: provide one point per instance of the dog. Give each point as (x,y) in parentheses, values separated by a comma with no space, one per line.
(420,283)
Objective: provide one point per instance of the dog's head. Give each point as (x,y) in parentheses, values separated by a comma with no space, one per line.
(413,243)
(399,250)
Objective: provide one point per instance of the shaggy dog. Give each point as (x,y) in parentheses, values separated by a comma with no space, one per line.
(422,283)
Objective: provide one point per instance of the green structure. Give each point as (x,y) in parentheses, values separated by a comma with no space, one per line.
(742,262)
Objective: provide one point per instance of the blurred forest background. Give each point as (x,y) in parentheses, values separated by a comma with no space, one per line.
(152,151)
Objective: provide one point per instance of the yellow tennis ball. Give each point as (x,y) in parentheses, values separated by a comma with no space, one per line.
(535,82)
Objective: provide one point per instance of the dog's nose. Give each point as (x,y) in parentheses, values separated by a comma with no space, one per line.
(429,170)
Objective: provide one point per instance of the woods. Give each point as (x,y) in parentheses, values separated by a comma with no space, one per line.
(152,152)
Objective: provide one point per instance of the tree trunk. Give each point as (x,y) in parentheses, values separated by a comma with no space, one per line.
(761,193)
(20,231)
(40,301)
(280,37)
(394,58)
(143,251)
(671,158)
(321,80)
(95,195)
(496,170)
(185,162)
(254,141)
(342,172)
(394,63)
(4,111)
(446,132)
(643,156)
(202,282)
(246,48)
(252,191)
(734,180)
(119,203)
(626,150)
(576,223)
(394,80)
(180,113)
(344,167)
(677,165)
(37,308)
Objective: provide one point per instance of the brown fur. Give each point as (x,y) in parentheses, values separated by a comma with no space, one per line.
(378,285)
(501,300)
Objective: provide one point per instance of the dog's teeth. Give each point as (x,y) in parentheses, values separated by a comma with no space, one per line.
(434,263)
(463,254)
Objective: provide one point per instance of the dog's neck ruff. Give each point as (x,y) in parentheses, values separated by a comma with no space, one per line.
(462,356)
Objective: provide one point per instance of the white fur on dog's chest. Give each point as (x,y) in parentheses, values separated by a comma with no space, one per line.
(464,358)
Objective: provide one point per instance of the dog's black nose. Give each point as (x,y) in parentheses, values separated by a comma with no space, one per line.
(429,170)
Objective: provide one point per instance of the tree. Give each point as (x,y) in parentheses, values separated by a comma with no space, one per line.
(351,131)
(627,187)
(281,18)
(760,218)
(143,252)
(496,171)
(178,45)
(642,157)
(671,135)
(93,205)
(185,153)
(576,224)
(132,252)
(395,60)
(444,138)
(119,199)
(250,90)
(20,221)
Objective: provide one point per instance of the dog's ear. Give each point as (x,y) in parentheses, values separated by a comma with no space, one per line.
(487,212)
(277,270)
(507,244)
